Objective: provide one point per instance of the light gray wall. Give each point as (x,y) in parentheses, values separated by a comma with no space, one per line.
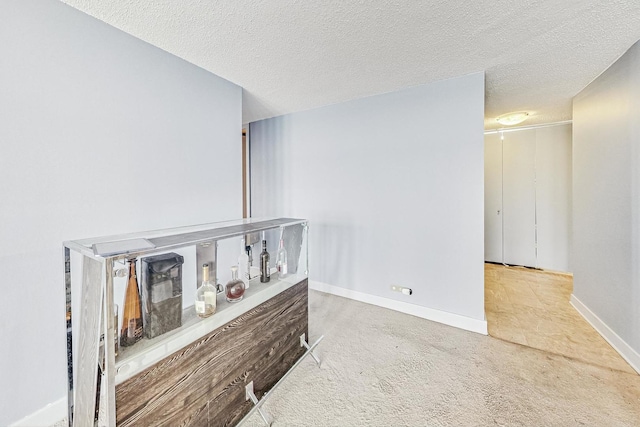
(393,188)
(606,197)
(100,133)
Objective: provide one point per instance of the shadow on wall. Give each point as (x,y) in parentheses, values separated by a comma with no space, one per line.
(267,197)
(332,243)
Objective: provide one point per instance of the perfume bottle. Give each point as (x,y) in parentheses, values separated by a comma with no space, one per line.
(281,261)
(131,331)
(205,295)
(235,288)
(265,270)
(243,264)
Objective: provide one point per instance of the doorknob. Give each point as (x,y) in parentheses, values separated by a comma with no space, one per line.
(498,211)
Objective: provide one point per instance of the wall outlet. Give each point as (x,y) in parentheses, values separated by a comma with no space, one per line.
(401,289)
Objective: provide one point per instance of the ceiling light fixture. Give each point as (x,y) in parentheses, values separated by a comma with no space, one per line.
(511,119)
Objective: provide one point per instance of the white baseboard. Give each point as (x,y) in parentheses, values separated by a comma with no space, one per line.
(450,319)
(45,417)
(618,344)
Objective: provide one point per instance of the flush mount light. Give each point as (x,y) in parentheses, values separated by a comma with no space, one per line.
(513,118)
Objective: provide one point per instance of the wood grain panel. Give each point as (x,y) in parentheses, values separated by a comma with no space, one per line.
(200,418)
(273,362)
(260,346)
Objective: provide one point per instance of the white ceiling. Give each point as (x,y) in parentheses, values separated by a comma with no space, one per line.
(293,55)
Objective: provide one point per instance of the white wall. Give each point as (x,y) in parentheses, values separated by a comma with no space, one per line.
(606,201)
(393,187)
(100,133)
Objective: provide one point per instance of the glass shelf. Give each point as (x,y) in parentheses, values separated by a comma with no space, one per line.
(143,243)
(132,360)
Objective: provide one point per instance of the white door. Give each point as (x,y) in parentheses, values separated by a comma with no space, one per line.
(553,190)
(493,198)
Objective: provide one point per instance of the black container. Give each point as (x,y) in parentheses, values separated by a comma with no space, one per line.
(161,284)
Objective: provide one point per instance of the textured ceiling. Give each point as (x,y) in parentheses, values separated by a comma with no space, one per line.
(293,55)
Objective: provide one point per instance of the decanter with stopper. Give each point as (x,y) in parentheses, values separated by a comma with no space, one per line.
(235,288)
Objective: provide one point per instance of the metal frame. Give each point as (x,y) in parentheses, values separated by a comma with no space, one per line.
(249,395)
(69,320)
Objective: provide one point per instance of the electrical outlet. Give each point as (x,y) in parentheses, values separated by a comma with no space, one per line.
(401,289)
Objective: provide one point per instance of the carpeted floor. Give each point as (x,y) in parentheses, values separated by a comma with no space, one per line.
(383,368)
(532,308)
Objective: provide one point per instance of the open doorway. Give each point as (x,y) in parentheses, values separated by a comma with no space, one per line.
(528,283)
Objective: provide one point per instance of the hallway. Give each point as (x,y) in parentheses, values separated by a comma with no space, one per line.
(531,307)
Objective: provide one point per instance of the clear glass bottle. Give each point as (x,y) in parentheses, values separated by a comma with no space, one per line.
(254,270)
(281,261)
(243,264)
(206,295)
(265,270)
(116,340)
(131,331)
(235,288)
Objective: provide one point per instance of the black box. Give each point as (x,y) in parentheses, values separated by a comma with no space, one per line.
(161,284)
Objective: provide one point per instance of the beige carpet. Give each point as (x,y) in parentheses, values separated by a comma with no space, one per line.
(383,368)
(532,308)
